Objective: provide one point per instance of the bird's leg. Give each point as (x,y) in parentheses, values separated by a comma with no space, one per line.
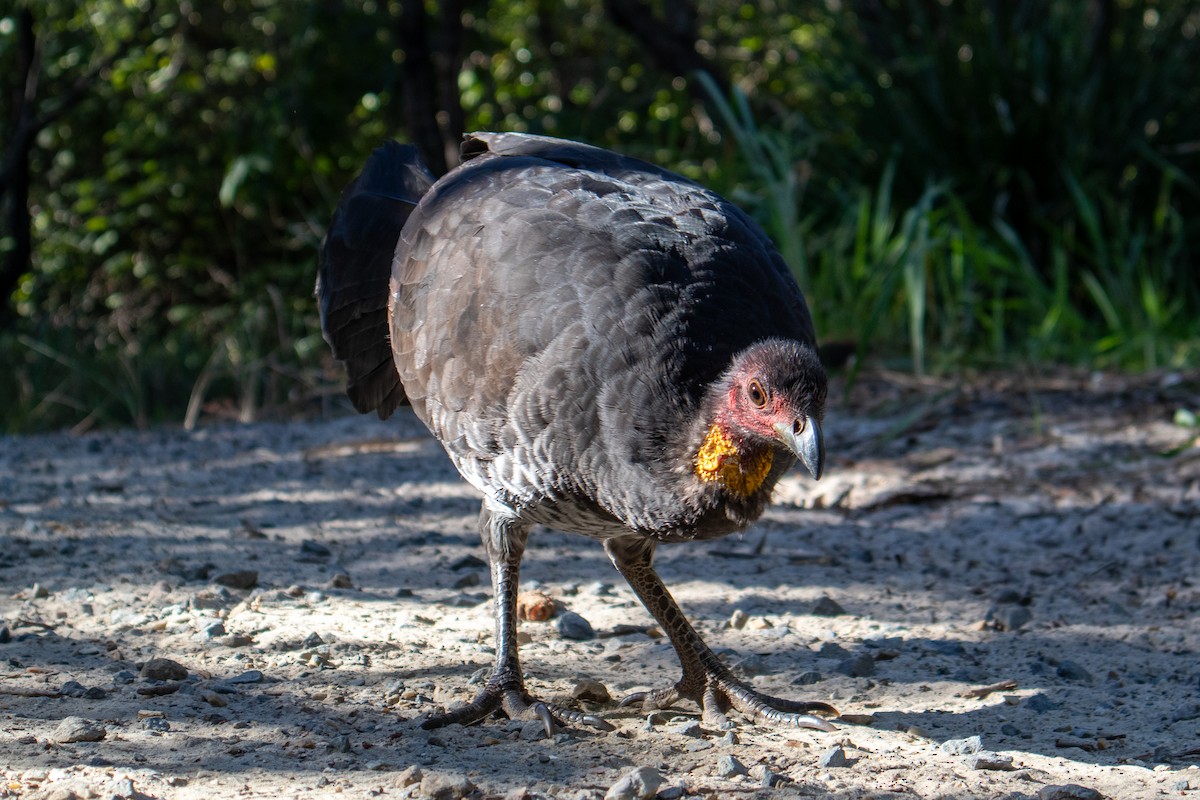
(705,679)
(504,539)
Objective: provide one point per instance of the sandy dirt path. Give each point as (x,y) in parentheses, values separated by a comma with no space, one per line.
(1016,560)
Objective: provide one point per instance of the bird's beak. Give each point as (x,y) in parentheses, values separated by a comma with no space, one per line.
(803,438)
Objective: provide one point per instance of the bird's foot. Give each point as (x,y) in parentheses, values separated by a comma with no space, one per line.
(517,703)
(719,691)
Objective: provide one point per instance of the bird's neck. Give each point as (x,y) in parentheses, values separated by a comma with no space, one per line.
(738,467)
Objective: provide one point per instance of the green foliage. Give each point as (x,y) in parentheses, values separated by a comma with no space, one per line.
(952,182)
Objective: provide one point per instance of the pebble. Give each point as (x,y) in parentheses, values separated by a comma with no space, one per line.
(827,607)
(163,669)
(689,728)
(443,786)
(535,606)
(5,634)
(591,691)
(835,757)
(1041,704)
(738,619)
(238,579)
(1071,671)
(78,729)
(409,776)
(765,776)
(533,730)
(752,665)
(728,766)
(468,562)
(1068,791)
(962,747)
(637,784)
(314,549)
(340,580)
(1008,618)
(832,650)
(860,666)
(156,724)
(121,789)
(572,626)
(993,761)
(249,676)
(807,678)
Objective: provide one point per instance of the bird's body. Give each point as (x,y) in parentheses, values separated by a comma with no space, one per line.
(588,336)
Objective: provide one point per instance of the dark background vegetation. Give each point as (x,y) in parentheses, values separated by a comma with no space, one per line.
(956,183)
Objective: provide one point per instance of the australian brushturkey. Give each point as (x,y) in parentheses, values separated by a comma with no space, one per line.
(601,346)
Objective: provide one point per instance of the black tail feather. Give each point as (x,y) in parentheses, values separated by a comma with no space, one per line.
(356,266)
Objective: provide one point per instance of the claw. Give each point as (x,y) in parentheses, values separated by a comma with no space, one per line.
(599,723)
(631,698)
(543,713)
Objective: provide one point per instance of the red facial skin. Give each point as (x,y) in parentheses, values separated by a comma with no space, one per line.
(744,420)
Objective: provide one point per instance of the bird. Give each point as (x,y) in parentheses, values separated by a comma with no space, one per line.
(602,347)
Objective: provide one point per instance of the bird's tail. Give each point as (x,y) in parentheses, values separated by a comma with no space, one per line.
(356,266)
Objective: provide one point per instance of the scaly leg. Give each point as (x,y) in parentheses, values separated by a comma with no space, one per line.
(705,679)
(504,539)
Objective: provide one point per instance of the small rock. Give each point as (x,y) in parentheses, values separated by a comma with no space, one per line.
(835,757)
(689,728)
(832,650)
(249,676)
(765,776)
(467,580)
(340,580)
(156,724)
(1008,618)
(962,747)
(1182,786)
(807,678)
(1041,704)
(5,634)
(738,619)
(1069,670)
(860,666)
(993,761)
(1068,791)
(728,766)
(535,606)
(442,786)
(163,669)
(239,579)
(40,592)
(532,731)
(121,789)
(409,776)
(468,562)
(73,689)
(312,640)
(591,691)
(214,630)
(572,626)
(638,784)
(827,607)
(214,699)
(314,549)
(78,729)
(752,665)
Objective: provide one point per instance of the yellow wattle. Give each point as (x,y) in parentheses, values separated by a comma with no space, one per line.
(719,459)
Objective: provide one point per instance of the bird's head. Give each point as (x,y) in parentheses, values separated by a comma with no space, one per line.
(771,398)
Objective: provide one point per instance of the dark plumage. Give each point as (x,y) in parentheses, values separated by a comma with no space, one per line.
(600,345)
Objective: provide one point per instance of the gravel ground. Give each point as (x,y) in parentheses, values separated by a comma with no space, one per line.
(997,584)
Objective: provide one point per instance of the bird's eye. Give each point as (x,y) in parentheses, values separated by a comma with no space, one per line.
(758,395)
